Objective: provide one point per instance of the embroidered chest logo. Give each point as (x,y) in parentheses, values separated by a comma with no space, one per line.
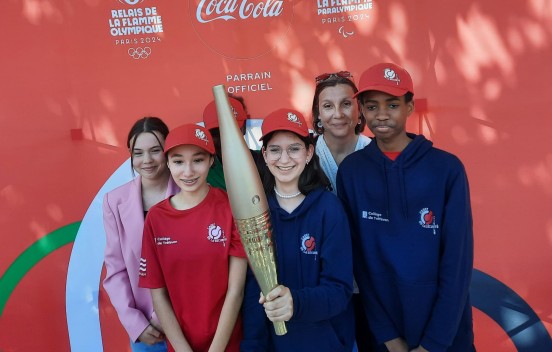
(427,220)
(216,234)
(372,215)
(308,244)
(164,241)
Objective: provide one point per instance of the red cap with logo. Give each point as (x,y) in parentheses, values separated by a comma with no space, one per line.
(210,117)
(190,134)
(386,77)
(285,120)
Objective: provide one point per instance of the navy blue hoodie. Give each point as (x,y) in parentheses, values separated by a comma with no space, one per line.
(411,226)
(314,260)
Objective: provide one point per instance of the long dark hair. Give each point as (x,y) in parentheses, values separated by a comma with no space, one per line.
(311,178)
(333,81)
(149,124)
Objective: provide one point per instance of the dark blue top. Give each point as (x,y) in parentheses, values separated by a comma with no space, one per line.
(314,260)
(411,226)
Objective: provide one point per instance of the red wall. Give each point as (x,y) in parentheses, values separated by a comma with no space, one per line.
(482,66)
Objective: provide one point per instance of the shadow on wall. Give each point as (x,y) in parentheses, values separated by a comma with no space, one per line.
(482,66)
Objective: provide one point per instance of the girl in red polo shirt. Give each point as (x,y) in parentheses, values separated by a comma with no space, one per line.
(192,257)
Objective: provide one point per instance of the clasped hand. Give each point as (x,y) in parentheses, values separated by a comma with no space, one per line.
(151,335)
(278,304)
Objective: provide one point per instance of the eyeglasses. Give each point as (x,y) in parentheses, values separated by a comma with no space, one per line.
(325,76)
(274,153)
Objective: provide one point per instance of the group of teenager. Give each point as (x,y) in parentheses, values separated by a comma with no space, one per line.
(372,238)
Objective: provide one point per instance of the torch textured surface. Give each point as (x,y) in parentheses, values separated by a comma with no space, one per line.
(247,199)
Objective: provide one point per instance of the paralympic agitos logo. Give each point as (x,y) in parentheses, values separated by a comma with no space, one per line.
(241,29)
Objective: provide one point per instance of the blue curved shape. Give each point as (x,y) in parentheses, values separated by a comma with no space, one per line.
(511,312)
(85,267)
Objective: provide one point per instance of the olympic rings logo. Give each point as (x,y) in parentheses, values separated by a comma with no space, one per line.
(139,53)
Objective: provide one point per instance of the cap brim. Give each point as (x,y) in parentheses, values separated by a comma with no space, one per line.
(208,149)
(296,131)
(394,91)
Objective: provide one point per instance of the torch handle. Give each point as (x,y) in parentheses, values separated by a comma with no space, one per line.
(280,328)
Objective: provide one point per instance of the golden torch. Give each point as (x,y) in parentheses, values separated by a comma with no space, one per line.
(247,199)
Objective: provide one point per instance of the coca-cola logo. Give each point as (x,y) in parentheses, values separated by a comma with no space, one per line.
(232,9)
(241,29)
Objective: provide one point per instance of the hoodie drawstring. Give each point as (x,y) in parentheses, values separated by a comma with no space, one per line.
(386,188)
(403,193)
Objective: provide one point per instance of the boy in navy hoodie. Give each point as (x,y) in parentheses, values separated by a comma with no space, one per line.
(409,208)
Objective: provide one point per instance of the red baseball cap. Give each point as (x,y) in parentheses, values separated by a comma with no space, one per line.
(210,117)
(285,120)
(386,77)
(190,134)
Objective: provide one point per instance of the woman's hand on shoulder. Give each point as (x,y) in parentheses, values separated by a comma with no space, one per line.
(278,304)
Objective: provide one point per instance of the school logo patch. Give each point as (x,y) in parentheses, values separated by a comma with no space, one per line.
(427,220)
(308,244)
(201,135)
(391,75)
(216,234)
(293,118)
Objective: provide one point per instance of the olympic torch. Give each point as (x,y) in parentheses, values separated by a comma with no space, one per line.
(247,199)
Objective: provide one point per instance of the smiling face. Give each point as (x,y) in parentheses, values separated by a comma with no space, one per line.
(148,158)
(285,168)
(189,166)
(386,117)
(338,111)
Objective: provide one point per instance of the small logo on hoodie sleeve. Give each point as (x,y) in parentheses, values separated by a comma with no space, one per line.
(427,220)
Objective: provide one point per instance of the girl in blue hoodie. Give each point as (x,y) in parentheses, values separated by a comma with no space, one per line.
(312,246)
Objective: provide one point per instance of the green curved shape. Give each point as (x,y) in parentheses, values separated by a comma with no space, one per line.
(31,256)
